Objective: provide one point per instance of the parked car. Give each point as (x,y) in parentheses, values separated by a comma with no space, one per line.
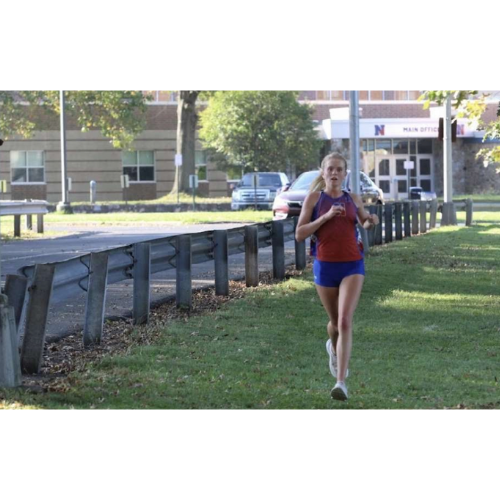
(289,202)
(417,193)
(245,195)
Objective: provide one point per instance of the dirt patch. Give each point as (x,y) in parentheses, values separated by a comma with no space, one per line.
(69,355)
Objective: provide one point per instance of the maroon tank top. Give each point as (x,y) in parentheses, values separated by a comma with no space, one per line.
(337,240)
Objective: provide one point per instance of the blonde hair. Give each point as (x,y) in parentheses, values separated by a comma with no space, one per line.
(318,184)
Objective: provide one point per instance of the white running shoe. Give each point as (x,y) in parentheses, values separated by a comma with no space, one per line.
(339,392)
(333,358)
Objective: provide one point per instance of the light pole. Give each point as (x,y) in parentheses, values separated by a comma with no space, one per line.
(354,151)
(449,216)
(354,139)
(64,205)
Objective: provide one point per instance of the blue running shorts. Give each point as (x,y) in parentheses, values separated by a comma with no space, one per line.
(331,274)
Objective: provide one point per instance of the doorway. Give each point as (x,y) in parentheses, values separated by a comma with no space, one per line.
(392,177)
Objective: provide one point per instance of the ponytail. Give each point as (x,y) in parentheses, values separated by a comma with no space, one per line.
(319,184)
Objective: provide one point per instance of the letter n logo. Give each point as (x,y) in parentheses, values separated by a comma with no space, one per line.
(379,129)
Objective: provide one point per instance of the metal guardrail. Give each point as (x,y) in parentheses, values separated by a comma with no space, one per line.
(92,273)
(72,275)
(27,208)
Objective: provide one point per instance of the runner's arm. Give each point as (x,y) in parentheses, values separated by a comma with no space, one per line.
(366,219)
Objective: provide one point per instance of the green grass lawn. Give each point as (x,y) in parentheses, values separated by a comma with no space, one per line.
(161,217)
(426,335)
(132,218)
(486,197)
(169,199)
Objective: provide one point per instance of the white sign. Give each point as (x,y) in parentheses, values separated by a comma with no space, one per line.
(409,165)
(69,183)
(178,160)
(125,181)
(193,181)
(392,128)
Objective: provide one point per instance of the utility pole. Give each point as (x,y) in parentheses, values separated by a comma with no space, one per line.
(63,205)
(449,216)
(354,151)
(354,139)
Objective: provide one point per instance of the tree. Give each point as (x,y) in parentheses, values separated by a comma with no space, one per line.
(186,134)
(187,120)
(119,115)
(470,104)
(263,130)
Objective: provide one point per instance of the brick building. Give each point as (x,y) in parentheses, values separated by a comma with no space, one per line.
(394,128)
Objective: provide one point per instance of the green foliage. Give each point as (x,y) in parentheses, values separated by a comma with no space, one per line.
(471,105)
(119,115)
(262,130)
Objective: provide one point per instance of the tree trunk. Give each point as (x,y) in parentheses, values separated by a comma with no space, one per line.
(186,130)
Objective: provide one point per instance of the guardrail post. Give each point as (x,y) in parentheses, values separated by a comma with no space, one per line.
(17,226)
(372,209)
(221,262)
(39,223)
(388,223)
(252,255)
(406,217)
(40,292)
(414,217)
(15,289)
(433,215)
(29,222)
(278,243)
(10,369)
(96,299)
(183,287)
(300,249)
(423,216)
(398,213)
(377,240)
(469,209)
(142,274)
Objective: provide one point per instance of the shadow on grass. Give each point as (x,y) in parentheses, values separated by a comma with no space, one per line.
(425,336)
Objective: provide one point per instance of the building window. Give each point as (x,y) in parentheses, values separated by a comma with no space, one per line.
(400,95)
(331,95)
(161,95)
(383,146)
(200,163)
(405,95)
(424,146)
(376,95)
(27,167)
(400,146)
(166,96)
(139,165)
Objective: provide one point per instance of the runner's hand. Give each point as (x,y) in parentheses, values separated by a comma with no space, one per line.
(335,210)
(371,221)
